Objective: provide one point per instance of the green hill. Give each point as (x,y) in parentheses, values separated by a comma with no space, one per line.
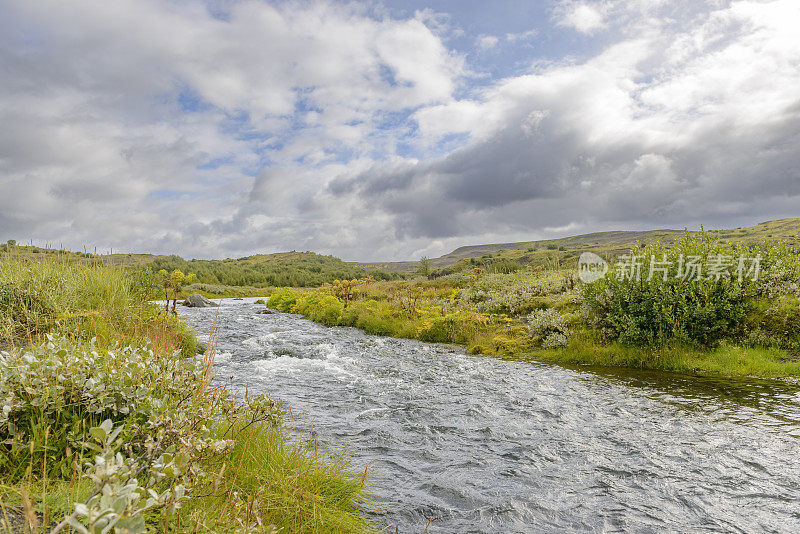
(310,269)
(298,269)
(557,251)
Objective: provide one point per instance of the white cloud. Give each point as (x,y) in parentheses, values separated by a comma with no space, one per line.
(485,42)
(522,36)
(584,17)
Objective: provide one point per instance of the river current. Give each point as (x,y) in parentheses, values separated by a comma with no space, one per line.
(481,444)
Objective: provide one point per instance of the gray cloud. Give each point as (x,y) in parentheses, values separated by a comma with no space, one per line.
(150,126)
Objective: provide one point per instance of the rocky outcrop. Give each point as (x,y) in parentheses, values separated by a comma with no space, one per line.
(198,301)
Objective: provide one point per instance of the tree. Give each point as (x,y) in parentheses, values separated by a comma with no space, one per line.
(424,267)
(173,283)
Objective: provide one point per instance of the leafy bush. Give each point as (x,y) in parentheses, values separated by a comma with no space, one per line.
(515,294)
(648,311)
(775,323)
(60,397)
(549,327)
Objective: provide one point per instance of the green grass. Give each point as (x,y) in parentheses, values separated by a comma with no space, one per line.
(270,474)
(290,485)
(726,360)
(81,301)
(487,314)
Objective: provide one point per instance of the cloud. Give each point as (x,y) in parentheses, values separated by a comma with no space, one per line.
(522,36)
(485,42)
(169,127)
(167,110)
(584,17)
(643,134)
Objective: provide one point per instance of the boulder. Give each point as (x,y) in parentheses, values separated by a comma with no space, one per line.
(198,301)
(265,312)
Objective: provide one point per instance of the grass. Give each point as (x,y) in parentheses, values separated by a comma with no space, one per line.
(287,485)
(490,314)
(81,301)
(239,464)
(726,360)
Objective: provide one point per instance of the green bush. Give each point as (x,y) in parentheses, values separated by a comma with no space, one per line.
(549,328)
(653,310)
(775,323)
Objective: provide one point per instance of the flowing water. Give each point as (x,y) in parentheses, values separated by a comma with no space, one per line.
(485,445)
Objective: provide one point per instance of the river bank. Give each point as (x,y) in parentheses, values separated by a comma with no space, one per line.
(106,404)
(723,327)
(470,443)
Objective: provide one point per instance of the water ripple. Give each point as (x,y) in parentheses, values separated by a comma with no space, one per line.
(482,444)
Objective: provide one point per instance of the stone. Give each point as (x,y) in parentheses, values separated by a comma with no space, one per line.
(198,301)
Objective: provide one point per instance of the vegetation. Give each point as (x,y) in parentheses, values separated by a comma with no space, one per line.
(726,324)
(108,422)
(285,269)
(557,253)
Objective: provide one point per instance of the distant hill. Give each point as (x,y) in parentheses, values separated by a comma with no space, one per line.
(299,269)
(604,243)
(310,269)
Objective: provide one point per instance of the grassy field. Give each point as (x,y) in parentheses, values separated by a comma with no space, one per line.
(106,404)
(710,327)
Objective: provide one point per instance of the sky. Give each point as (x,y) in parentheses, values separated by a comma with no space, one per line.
(391,130)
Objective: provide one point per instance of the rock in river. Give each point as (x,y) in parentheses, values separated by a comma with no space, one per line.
(198,301)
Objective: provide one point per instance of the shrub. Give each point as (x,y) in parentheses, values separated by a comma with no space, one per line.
(649,311)
(62,400)
(514,294)
(775,323)
(549,327)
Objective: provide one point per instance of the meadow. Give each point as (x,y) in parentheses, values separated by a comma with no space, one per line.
(110,422)
(726,327)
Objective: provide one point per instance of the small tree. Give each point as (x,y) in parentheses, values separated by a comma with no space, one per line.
(344,290)
(424,267)
(173,283)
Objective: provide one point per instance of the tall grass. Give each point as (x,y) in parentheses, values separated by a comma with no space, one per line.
(101,392)
(82,302)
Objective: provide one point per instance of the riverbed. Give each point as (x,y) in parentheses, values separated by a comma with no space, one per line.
(479,444)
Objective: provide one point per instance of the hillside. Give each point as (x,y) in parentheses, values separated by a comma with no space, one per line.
(257,271)
(604,243)
(310,269)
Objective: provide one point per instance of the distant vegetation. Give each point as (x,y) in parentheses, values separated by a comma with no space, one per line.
(222,277)
(296,269)
(541,310)
(553,253)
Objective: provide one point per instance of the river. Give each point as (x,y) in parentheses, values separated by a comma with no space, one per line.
(481,444)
